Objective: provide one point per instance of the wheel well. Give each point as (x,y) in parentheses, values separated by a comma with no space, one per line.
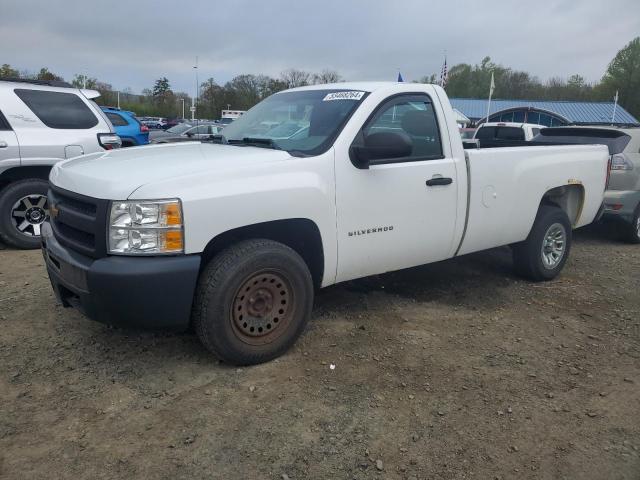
(22,173)
(570,198)
(299,234)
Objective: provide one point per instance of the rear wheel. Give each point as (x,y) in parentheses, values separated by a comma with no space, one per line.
(632,234)
(23,210)
(545,251)
(253,301)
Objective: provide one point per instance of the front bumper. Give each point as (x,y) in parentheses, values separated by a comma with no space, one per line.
(148,292)
(621,204)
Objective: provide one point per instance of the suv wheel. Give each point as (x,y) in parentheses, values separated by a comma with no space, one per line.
(633,229)
(252,302)
(545,251)
(23,210)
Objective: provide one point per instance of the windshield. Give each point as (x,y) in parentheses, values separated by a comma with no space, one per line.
(303,121)
(179,129)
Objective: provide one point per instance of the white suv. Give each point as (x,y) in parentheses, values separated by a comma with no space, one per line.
(41,123)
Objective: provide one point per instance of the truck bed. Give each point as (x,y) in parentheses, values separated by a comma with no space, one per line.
(501,212)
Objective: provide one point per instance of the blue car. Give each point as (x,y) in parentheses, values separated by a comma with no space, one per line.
(127,126)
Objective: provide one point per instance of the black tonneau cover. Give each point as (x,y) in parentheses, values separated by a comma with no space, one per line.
(615,140)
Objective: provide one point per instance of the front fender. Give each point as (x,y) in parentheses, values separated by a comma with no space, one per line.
(217,202)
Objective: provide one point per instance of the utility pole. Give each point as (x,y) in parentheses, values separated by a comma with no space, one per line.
(195,98)
(182,108)
(118,99)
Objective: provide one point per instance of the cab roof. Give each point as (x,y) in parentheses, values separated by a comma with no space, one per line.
(360,86)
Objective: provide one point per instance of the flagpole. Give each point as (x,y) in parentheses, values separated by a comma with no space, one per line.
(615,105)
(491,87)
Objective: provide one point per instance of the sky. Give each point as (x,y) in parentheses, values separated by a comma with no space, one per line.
(130,45)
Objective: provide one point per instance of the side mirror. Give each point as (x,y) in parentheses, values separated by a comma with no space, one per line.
(189,134)
(379,147)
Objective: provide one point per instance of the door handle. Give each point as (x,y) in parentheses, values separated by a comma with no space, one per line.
(439,181)
(3,144)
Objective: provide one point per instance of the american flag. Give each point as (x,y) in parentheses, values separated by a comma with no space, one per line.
(444,74)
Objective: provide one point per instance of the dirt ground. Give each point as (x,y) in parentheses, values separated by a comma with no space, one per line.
(450,371)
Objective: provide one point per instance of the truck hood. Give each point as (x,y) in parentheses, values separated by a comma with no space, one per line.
(116,174)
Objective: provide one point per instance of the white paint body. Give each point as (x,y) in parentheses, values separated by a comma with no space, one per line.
(224,187)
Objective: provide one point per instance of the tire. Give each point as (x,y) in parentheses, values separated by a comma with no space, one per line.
(253,300)
(543,254)
(23,209)
(632,230)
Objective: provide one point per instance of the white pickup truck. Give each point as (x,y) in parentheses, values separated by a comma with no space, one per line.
(509,131)
(233,236)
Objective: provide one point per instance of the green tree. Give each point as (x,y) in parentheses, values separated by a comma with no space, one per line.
(6,71)
(83,81)
(161,87)
(163,97)
(210,96)
(623,75)
(46,74)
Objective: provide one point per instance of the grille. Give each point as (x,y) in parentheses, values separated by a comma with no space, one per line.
(79,222)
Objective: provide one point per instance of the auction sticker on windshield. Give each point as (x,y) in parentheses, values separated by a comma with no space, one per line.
(354,95)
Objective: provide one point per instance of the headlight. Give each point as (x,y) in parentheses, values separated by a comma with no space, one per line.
(146,227)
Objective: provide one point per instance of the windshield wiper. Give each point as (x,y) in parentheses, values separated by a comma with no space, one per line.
(255,142)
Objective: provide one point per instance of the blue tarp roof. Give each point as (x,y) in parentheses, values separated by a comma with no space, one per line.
(578,112)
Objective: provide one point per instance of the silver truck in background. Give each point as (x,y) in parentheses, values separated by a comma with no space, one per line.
(622,197)
(41,123)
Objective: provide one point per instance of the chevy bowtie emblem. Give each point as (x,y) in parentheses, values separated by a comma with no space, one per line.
(53,210)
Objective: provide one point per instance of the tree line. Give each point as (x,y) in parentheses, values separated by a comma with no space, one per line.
(464,81)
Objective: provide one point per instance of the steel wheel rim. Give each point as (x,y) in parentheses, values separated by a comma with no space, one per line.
(262,307)
(553,246)
(29,213)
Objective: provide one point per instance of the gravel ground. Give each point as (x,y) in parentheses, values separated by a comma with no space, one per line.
(453,370)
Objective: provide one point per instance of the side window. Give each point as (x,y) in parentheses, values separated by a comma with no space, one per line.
(4,125)
(58,109)
(116,120)
(202,130)
(414,116)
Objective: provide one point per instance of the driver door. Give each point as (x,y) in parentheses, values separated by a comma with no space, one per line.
(393,215)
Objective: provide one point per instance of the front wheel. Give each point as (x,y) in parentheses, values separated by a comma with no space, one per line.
(23,210)
(252,302)
(545,251)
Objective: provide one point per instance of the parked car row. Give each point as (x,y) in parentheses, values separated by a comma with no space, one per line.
(185,132)
(153,122)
